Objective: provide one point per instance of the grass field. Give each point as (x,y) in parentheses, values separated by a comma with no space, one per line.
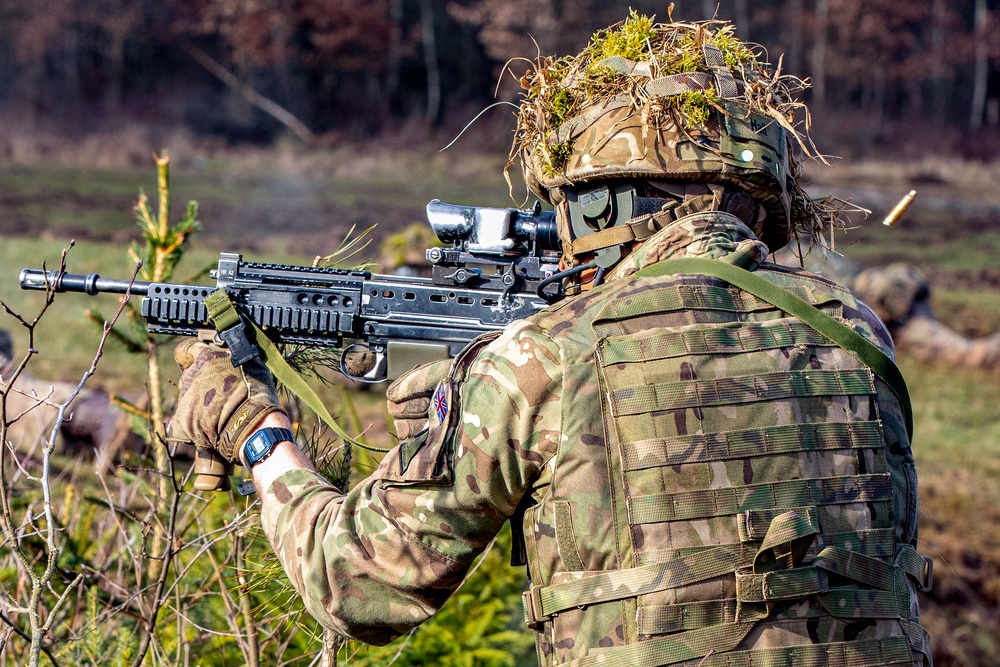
(291,210)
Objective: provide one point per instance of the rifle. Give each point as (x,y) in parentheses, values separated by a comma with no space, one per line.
(502,265)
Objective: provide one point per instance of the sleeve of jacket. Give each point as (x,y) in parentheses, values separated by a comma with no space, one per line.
(376,562)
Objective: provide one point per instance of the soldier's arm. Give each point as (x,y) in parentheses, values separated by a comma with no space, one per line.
(383,558)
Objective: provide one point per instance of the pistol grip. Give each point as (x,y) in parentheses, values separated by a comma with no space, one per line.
(211,471)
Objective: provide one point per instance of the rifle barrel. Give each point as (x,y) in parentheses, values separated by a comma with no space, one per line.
(90,283)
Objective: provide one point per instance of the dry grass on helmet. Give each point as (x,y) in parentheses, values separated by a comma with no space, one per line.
(557,90)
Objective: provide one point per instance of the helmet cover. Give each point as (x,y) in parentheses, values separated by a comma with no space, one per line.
(678,101)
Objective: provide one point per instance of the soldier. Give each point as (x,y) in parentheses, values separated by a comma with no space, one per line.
(698,476)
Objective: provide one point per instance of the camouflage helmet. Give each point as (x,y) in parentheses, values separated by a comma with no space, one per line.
(684,102)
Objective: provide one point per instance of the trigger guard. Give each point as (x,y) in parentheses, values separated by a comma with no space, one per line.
(373,375)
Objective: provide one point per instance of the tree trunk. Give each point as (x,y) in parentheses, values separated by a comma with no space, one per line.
(433,110)
(742,18)
(793,17)
(394,55)
(980,77)
(819,52)
(939,81)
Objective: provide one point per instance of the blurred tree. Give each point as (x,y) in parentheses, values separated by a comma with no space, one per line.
(980,76)
(347,68)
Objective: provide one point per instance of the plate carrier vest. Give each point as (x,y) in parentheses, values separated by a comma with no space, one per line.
(732,487)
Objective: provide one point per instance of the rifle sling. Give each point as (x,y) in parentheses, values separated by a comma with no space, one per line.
(871,356)
(225,315)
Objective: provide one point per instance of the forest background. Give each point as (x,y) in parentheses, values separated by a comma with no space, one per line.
(292,121)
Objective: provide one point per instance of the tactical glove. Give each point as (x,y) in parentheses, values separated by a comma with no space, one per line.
(409,397)
(219,406)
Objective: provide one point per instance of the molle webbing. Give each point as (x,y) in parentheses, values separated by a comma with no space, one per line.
(877,542)
(691,645)
(748,443)
(700,297)
(671,618)
(710,650)
(748,461)
(727,501)
(620,584)
(784,299)
(836,602)
(783,584)
(733,338)
(744,389)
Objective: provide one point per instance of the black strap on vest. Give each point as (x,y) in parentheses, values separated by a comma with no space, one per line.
(842,335)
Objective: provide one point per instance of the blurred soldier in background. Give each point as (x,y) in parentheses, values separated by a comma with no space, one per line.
(696,471)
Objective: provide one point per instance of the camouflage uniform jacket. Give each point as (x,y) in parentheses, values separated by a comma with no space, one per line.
(704,475)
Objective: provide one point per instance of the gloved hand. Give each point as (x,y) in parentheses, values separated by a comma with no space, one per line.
(409,397)
(219,406)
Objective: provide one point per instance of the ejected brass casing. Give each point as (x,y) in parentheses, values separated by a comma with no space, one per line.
(897,213)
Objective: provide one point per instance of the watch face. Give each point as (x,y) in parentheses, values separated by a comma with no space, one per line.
(257,446)
(261,444)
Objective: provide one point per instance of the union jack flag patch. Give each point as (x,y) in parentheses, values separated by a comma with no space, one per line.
(440,403)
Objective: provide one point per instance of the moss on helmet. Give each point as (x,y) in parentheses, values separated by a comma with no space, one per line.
(629,39)
(560,88)
(696,106)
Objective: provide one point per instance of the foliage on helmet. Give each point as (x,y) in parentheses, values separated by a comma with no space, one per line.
(607,87)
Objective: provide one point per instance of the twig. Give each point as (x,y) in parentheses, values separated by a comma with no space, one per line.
(266,105)
(253,648)
(24,635)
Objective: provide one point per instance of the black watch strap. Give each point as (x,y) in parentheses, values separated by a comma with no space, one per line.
(260,445)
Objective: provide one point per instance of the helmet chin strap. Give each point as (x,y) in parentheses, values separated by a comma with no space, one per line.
(606,219)
(597,213)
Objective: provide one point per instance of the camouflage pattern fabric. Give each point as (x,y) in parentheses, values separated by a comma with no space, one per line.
(409,397)
(614,142)
(708,476)
(219,406)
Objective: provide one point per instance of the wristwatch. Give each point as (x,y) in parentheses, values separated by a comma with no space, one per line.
(260,445)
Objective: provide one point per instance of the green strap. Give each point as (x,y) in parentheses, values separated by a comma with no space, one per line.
(695,297)
(754,525)
(669,619)
(918,567)
(853,602)
(859,567)
(224,315)
(836,331)
(781,584)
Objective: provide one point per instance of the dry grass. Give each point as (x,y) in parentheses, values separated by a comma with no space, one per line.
(960,529)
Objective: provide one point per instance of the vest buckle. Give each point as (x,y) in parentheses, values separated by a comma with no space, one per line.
(533,616)
(927,582)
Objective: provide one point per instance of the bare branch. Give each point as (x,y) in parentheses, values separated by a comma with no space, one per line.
(266,105)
